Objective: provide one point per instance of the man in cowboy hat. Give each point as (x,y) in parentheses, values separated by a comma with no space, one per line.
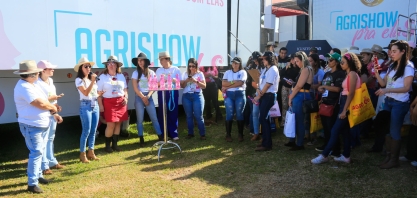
(377,50)
(34,114)
(171,96)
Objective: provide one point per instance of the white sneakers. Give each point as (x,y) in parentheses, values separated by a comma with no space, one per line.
(414,163)
(342,159)
(321,159)
(175,138)
(403,159)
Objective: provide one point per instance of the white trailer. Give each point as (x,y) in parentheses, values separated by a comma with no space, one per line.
(63,31)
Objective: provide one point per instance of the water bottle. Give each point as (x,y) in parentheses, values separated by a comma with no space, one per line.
(169,82)
(177,83)
(155,83)
(162,83)
(253,101)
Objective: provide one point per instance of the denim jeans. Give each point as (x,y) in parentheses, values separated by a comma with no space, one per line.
(89,119)
(193,104)
(235,103)
(140,111)
(35,138)
(171,99)
(265,103)
(255,119)
(340,126)
(327,123)
(398,111)
(300,117)
(48,157)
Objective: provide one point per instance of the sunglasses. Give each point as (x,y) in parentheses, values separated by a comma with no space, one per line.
(191,66)
(331,59)
(48,69)
(87,66)
(342,62)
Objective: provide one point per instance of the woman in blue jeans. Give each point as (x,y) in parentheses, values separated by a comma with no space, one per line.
(398,82)
(143,97)
(193,82)
(89,110)
(350,63)
(266,95)
(300,92)
(234,86)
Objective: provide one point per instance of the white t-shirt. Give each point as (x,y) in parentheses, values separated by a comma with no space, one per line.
(143,82)
(49,89)
(86,83)
(241,75)
(270,76)
(113,86)
(24,94)
(403,97)
(174,71)
(193,87)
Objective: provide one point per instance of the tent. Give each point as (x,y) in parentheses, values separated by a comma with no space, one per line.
(293,46)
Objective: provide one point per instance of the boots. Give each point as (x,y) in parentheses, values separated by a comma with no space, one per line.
(83,158)
(240,125)
(91,155)
(108,148)
(388,149)
(255,137)
(395,152)
(229,131)
(161,137)
(141,141)
(114,143)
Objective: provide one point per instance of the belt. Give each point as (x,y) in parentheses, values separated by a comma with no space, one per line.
(304,90)
(269,93)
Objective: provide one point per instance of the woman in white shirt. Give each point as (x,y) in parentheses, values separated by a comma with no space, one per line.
(193,82)
(89,112)
(113,102)
(398,82)
(171,96)
(266,95)
(234,87)
(143,98)
(47,84)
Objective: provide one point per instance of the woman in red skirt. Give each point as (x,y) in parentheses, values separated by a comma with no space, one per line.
(113,102)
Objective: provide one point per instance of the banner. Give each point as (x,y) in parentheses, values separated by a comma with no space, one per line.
(361,23)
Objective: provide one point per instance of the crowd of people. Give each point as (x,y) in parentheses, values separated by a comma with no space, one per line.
(289,80)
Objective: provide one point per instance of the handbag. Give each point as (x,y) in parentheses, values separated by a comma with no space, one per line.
(310,106)
(360,108)
(326,110)
(289,127)
(275,111)
(315,122)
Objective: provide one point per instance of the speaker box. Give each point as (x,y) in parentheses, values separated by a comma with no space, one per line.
(302,32)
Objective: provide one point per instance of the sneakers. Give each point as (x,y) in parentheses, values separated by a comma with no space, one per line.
(342,159)
(403,159)
(414,163)
(320,159)
(35,189)
(175,138)
(43,180)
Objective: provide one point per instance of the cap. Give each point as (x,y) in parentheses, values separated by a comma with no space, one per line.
(256,55)
(43,64)
(237,60)
(335,56)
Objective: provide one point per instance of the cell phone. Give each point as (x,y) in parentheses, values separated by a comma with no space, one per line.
(375,60)
(189,76)
(62,94)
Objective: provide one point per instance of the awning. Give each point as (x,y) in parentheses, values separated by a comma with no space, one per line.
(282,12)
(293,46)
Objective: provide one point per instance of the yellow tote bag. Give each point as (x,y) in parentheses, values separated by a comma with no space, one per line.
(315,122)
(361,108)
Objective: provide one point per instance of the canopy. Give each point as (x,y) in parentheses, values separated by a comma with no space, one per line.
(293,46)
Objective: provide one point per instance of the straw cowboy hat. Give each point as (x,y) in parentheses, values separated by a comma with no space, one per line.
(376,48)
(141,56)
(44,64)
(83,60)
(164,55)
(27,67)
(113,59)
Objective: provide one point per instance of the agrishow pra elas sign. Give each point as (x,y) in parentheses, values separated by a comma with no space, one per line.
(361,23)
(63,31)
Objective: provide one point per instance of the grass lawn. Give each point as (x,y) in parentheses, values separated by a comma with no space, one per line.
(208,168)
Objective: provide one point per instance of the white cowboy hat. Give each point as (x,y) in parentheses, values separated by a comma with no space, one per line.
(83,60)
(113,59)
(44,64)
(27,67)
(354,50)
(164,55)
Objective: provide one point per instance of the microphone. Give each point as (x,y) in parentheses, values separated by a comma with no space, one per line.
(97,78)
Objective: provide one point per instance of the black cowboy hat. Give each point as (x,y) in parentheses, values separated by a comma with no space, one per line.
(141,56)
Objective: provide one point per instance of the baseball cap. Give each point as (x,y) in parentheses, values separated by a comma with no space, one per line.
(237,60)
(44,64)
(335,56)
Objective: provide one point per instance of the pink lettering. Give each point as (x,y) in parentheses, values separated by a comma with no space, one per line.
(384,33)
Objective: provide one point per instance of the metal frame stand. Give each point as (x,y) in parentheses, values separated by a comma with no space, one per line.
(166,144)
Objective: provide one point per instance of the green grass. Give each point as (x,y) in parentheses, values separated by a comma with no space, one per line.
(210,168)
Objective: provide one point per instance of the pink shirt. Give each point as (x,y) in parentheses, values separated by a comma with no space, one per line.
(212,70)
(345,85)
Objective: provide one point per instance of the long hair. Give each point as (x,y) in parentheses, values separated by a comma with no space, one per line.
(80,73)
(316,64)
(353,62)
(402,46)
(303,57)
(145,70)
(193,61)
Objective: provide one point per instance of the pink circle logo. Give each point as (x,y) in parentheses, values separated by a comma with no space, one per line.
(2,104)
